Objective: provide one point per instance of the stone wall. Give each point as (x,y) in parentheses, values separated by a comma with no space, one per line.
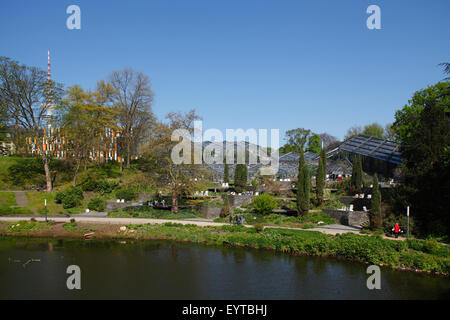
(239,200)
(349,218)
(210,212)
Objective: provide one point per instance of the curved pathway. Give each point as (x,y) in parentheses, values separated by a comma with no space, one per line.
(327,229)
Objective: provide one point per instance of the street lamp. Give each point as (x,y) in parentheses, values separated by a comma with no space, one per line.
(407,222)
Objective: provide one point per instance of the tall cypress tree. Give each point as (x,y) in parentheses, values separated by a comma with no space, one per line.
(240,177)
(376,222)
(356,180)
(320,177)
(226,173)
(303,185)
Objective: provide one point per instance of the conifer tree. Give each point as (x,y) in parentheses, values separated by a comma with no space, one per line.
(320,177)
(303,185)
(376,222)
(226,174)
(240,177)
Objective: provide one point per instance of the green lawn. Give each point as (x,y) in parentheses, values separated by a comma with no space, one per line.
(8,200)
(5,163)
(148,212)
(282,220)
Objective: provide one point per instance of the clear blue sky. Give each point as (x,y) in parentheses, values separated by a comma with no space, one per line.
(244,64)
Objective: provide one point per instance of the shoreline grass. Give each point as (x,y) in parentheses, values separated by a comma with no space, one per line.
(413,255)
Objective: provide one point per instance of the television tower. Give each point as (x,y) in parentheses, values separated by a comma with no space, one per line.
(49,103)
(48,66)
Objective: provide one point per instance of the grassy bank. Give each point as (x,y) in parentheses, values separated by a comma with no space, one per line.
(310,220)
(149,212)
(416,255)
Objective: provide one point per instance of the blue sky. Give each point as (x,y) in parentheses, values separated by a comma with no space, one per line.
(244,64)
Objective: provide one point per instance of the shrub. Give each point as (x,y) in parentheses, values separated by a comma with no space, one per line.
(225,211)
(259,227)
(70,198)
(125,194)
(26,171)
(264,203)
(102,186)
(89,184)
(96,204)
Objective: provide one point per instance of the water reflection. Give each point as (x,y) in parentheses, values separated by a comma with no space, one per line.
(165,270)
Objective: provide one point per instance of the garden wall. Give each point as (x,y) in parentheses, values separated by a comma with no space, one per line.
(210,212)
(349,218)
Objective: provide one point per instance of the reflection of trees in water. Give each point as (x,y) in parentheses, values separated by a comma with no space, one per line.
(174,251)
(239,256)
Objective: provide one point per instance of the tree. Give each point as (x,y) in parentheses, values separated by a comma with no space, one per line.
(85,116)
(264,203)
(296,138)
(240,177)
(327,139)
(320,177)
(133,97)
(353,131)
(424,145)
(226,173)
(314,143)
(28,97)
(357,175)
(446,66)
(389,132)
(177,178)
(408,118)
(376,221)
(373,130)
(303,185)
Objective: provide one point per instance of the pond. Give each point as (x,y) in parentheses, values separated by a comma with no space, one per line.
(167,270)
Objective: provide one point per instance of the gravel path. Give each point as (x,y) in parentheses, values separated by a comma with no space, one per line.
(328,229)
(21,198)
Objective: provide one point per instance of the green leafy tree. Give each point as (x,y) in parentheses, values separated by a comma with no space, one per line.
(374,130)
(84,117)
(303,185)
(424,144)
(314,143)
(296,139)
(376,221)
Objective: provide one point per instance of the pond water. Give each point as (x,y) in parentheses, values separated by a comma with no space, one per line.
(166,270)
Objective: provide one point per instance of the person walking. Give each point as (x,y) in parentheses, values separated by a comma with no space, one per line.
(231,219)
(237,219)
(396,230)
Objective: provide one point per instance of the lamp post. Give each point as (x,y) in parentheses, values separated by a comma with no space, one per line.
(407,222)
(45,202)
